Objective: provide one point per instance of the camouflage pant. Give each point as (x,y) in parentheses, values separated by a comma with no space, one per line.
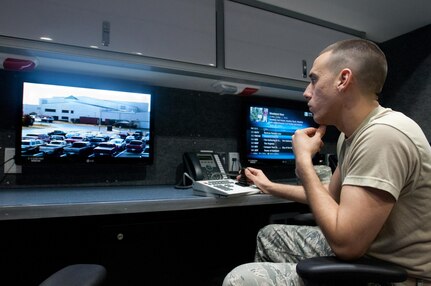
(279,248)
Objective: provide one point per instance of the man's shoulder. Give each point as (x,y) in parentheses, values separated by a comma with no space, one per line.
(387,114)
(393,125)
(396,119)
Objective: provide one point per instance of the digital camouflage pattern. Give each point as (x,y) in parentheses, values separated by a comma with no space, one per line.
(279,248)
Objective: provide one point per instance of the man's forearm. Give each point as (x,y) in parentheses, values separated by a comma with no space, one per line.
(290,192)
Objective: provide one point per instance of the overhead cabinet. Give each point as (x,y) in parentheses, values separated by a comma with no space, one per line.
(182,30)
(250,39)
(270,43)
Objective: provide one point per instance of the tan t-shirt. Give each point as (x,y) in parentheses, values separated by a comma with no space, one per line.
(390,152)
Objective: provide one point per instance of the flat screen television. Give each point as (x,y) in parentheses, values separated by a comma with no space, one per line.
(268,129)
(70,119)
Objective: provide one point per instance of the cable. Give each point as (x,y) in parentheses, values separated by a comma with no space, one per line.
(8,160)
(233,167)
(182,183)
(6,172)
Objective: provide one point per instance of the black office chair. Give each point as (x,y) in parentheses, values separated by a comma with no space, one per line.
(77,275)
(329,270)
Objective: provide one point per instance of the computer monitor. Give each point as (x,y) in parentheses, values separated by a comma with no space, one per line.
(268,129)
(72,119)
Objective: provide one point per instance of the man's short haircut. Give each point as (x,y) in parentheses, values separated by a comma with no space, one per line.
(364,58)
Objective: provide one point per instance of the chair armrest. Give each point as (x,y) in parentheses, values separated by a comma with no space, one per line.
(329,268)
(77,274)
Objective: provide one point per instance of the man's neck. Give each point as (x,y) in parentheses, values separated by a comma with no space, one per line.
(354,115)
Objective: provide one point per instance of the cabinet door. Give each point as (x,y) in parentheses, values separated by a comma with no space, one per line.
(76,22)
(180,30)
(265,42)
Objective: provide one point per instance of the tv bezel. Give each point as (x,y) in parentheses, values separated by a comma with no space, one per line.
(83,81)
(271,103)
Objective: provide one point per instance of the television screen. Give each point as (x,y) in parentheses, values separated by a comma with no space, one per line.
(268,131)
(67,123)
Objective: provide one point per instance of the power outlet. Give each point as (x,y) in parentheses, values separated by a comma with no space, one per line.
(9,162)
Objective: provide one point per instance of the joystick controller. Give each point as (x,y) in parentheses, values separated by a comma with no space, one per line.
(243,179)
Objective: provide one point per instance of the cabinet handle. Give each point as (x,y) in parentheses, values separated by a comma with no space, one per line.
(304,69)
(106,31)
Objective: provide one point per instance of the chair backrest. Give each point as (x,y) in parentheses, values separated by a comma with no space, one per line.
(329,270)
(77,274)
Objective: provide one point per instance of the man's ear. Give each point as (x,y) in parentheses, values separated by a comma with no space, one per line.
(345,78)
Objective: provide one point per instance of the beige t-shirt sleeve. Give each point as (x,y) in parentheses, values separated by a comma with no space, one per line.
(381,158)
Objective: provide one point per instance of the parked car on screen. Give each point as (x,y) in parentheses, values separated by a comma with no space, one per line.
(87,136)
(123,134)
(129,138)
(72,133)
(136,146)
(56,143)
(95,141)
(27,120)
(44,137)
(31,145)
(125,124)
(57,132)
(106,137)
(74,139)
(54,148)
(48,119)
(80,148)
(138,135)
(146,138)
(120,143)
(58,137)
(105,149)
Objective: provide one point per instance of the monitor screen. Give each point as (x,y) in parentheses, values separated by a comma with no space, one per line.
(269,127)
(85,123)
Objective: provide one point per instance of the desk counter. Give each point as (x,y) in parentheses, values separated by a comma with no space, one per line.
(52,202)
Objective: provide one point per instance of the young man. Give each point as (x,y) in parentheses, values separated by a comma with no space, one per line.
(379,198)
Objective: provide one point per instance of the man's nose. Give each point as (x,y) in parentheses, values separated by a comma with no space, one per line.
(307,93)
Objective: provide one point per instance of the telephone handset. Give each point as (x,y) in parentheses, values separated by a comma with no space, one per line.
(204,166)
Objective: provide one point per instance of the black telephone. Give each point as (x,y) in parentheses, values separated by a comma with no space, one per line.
(204,166)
